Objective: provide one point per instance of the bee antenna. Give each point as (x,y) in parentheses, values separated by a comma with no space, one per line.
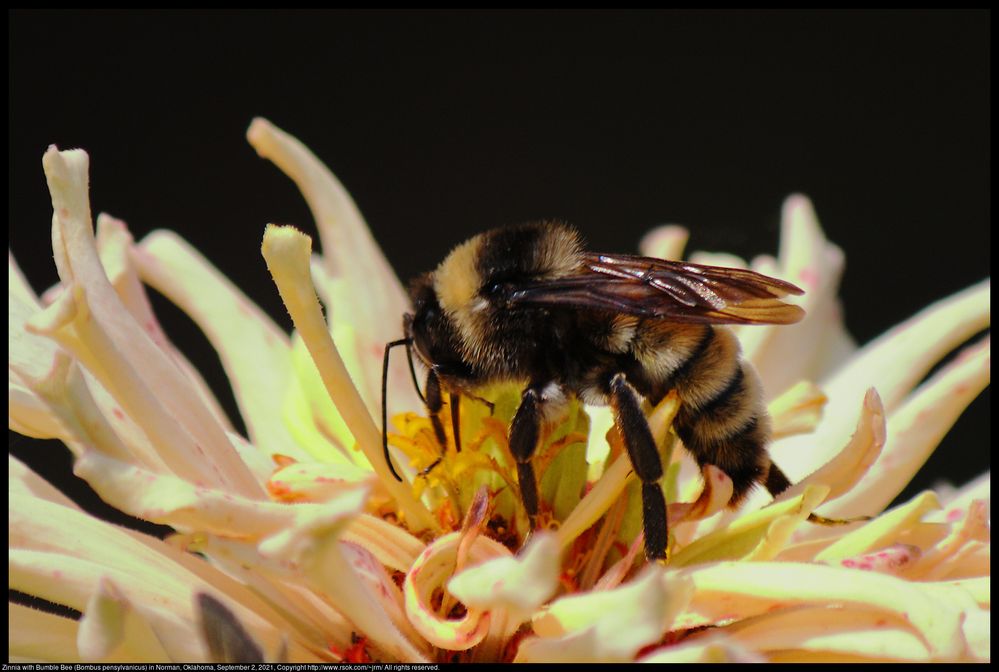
(385,362)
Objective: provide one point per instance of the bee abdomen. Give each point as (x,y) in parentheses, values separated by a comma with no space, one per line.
(730,431)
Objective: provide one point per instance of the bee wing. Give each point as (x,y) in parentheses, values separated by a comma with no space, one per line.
(674,290)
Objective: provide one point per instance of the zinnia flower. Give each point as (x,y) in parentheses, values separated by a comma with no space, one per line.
(295,542)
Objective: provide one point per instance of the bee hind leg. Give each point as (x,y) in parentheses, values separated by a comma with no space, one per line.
(645,460)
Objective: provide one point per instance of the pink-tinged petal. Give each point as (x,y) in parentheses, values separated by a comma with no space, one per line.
(287,253)
(60,555)
(607,626)
(254,352)
(732,591)
(430,573)
(850,465)
(785,354)
(168,500)
(968,535)
(664,242)
(834,630)
(517,584)
(28,355)
(956,501)
(880,532)
(35,636)
(110,342)
(22,480)
(114,246)
(68,398)
(915,429)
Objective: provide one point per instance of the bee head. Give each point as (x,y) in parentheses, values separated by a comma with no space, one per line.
(432,331)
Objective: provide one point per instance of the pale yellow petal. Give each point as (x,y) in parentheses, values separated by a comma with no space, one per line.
(431,573)
(28,355)
(745,534)
(797,411)
(729,590)
(360,287)
(832,629)
(35,636)
(116,348)
(846,469)
(115,247)
(915,429)
(783,355)
(287,253)
(893,363)
(350,582)
(880,532)
(712,648)
(607,626)
(517,584)
(254,352)
(110,629)
(664,242)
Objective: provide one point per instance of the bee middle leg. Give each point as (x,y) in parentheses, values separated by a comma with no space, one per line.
(645,460)
(524,431)
(435,404)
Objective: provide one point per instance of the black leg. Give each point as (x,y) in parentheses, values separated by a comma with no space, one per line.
(645,461)
(777,482)
(435,402)
(456,420)
(523,442)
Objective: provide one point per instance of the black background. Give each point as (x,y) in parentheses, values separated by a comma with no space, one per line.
(443,124)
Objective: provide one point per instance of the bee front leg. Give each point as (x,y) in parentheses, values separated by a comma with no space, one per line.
(523,443)
(435,403)
(644,455)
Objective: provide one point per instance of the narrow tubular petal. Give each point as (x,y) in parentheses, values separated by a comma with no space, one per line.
(119,347)
(361,288)
(430,573)
(348,245)
(168,500)
(915,429)
(843,471)
(254,351)
(894,363)
(835,630)
(664,242)
(783,355)
(115,246)
(287,254)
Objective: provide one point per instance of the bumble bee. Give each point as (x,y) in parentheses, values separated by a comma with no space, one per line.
(528,303)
